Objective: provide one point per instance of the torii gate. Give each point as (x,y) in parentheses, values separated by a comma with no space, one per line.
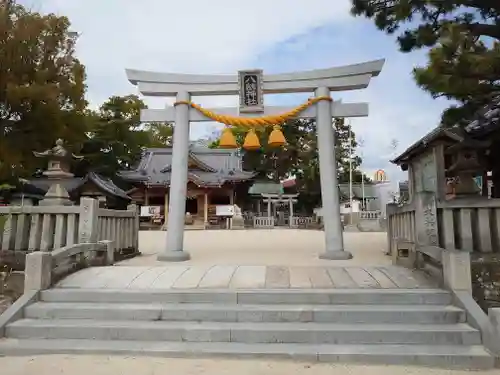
(321,82)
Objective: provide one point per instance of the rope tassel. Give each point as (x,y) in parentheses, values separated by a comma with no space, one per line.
(227,139)
(276,138)
(252,142)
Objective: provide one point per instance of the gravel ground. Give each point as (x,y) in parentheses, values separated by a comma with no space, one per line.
(283,247)
(105,365)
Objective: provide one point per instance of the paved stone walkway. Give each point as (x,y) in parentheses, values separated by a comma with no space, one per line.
(281,247)
(254,259)
(245,277)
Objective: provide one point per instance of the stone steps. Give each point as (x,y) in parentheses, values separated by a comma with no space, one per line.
(262,332)
(261,296)
(413,326)
(452,356)
(375,314)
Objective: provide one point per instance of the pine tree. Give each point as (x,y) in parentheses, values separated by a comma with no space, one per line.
(464,37)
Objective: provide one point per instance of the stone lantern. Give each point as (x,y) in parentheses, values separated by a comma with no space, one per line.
(58,169)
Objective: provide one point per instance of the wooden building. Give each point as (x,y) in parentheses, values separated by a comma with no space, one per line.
(214,176)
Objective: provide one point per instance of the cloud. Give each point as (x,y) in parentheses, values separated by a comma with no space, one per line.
(223,36)
(217,36)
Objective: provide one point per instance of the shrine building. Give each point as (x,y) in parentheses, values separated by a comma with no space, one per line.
(214,178)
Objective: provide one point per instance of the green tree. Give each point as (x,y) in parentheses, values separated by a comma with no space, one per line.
(41,87)
(307,173)
(299,157)
(117,138)
(464,37)
(274,163)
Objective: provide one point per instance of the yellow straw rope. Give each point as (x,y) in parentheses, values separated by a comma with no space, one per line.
(253,122)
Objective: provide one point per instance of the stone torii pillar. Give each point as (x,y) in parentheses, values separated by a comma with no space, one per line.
(178,184)
(321,82)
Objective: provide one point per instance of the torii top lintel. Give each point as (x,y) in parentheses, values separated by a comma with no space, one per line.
(342,78)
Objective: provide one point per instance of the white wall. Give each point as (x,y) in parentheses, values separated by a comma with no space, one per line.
(384,194)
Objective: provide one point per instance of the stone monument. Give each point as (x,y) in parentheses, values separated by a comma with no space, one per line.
(237,221)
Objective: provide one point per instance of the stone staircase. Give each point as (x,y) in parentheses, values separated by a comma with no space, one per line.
(391,326)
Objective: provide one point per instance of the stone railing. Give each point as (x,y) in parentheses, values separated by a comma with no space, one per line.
(46,228)
(300,221)
(369,215)
(457,242)
(400,226)
(121,227)
(263,222)
(471,224)
(43,269)
(41,228)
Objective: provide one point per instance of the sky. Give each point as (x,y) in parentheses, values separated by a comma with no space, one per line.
(278,36)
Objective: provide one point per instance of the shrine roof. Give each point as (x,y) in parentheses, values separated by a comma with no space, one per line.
(208,167)
(265,187)
(106,185)
(484,121)
(452,134)
(357,190)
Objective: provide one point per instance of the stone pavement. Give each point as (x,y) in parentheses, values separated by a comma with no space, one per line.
(245,277)
(254,259)
(255,247)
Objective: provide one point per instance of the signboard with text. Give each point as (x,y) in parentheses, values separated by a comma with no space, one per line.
(250,84)
(224,210)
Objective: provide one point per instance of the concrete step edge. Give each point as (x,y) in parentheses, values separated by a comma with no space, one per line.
(284,296)
(315,291)
(281,326)
(245,307)
(473,357)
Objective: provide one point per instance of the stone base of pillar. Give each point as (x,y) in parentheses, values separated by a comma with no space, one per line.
(173,256)
(238,222)
(336,255)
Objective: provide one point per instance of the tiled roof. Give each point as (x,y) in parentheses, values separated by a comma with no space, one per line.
(357,190)
(487,118)
(214,167)
(72,184)
(482,123)
(265,188)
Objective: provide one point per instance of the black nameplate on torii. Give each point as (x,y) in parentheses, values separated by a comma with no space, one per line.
(251,93)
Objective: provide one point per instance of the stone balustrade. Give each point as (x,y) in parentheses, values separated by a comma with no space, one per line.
(471,224)
(43,269)
(263,222)
(370,215)
(47,228)
(121,227)
(300,221)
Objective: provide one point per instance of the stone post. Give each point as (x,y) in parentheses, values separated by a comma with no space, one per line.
(334,240)
(165,210)
(456,270)
(88,230)
(290,218)
(269,207)
(38,271)
(178,185)
(135,228)
(110,251)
